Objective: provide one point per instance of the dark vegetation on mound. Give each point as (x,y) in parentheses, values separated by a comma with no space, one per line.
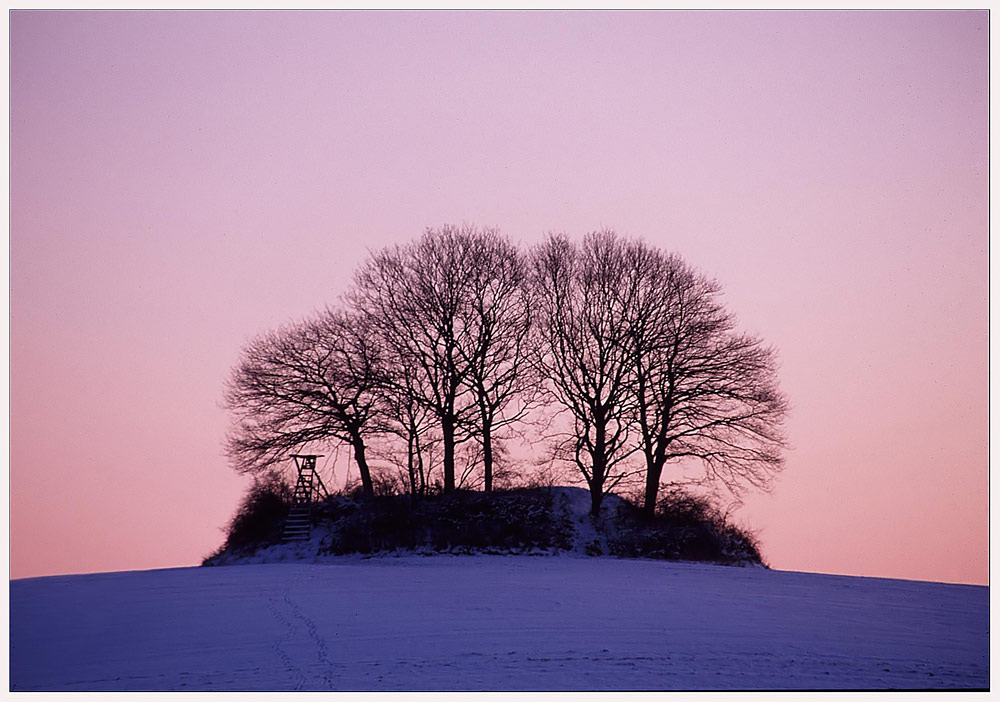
(522,520)
(499,522)
(686,527)
(260,518)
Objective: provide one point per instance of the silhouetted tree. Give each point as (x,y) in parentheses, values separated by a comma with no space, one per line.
(452,337)
(311,382)
(701,390)
(639,349)
(452,307)
(407,418)
(498,317)
(583,351)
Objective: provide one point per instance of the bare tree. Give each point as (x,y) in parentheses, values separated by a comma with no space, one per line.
(451,307)
(584,354)
(313,382)
(498,317)
(702,390)
(407,418)
(450,339)
(639,349)
(413,295)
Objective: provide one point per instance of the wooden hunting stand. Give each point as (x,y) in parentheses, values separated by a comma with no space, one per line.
(308,489)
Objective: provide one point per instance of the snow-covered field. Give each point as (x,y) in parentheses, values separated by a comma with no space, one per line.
(493,623)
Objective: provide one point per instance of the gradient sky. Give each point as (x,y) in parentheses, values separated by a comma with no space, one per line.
(180,182)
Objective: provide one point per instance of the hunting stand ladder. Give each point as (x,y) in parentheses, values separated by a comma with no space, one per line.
(308,488)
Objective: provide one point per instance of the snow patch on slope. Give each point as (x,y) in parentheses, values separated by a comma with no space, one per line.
(590,536)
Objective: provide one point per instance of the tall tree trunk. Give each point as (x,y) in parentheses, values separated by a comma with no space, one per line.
(487,455)
(367,488)
(411,469)
(448,437)
(653,472)
(420,464)
(600,467)
(596,497)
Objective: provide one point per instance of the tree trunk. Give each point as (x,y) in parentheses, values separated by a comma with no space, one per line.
(596,497)
(420,465)
(366,477)
(596,484)
(448,437)
(653,473)
(487,457)
(599,460)
(411,469)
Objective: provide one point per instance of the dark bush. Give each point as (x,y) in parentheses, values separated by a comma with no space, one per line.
(501,521)
(686,526)
(261,515)
(680,507)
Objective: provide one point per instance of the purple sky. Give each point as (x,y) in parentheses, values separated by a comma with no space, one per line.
(183,181)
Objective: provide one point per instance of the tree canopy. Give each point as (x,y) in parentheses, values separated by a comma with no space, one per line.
(444,344)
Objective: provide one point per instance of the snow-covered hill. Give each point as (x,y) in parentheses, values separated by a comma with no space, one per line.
(493,623)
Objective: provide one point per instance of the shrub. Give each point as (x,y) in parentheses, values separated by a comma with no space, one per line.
(677,506)
(501,521)
(261,515)
(686,526)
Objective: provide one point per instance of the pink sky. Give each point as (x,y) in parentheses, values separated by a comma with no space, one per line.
(181,182)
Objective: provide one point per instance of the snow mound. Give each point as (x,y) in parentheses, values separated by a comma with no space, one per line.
(493,623)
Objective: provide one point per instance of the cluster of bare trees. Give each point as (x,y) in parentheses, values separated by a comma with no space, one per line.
(448,343)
